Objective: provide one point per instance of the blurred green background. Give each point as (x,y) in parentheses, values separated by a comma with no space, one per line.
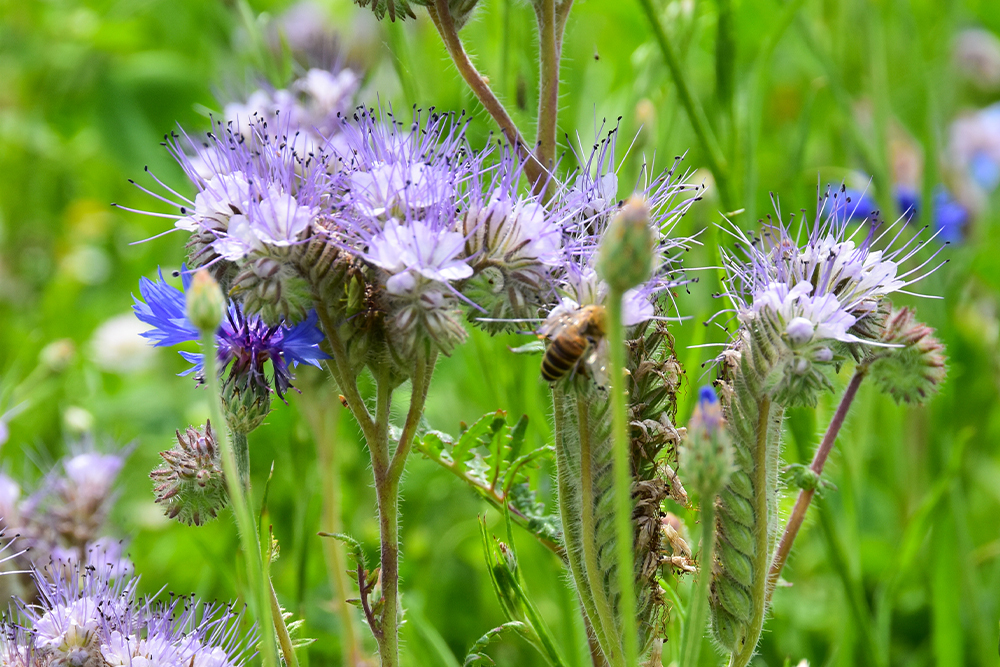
(907,546)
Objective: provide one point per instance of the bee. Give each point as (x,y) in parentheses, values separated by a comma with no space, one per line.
(572,337)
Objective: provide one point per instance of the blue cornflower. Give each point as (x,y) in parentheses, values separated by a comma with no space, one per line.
(244,342)
(950,217)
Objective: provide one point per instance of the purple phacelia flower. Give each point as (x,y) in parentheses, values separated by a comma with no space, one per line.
(417,250)
(397,170)
(667,198)
(88,616)
(244,343)
(821,289)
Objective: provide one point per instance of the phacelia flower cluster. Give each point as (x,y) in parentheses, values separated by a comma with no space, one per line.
(90,616)
(65,518)
(819,301)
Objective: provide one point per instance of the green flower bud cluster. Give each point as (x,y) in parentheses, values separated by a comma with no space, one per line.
(190,483)
(912,372)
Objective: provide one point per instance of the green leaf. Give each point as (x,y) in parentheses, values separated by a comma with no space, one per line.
(477,656)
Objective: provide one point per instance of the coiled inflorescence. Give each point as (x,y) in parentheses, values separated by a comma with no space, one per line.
(190,484)
(804,310)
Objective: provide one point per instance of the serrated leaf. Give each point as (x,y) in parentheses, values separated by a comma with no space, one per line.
(471,437)
(517,437)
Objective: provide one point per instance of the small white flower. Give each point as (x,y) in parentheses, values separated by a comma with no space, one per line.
(279,219)
(417,248)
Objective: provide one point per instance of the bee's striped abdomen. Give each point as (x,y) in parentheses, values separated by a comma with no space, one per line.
(561,356)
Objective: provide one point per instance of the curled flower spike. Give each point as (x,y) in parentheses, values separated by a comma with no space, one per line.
(245,343)
(190,484)
(820,300)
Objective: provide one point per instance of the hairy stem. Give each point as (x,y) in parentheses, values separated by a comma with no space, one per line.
(441,16)
(622,477)
(694,623)
(570,498)
(343,374)
(742,655)
(246,526)
(548,93)
(605,615)
(806,495)
(387,475)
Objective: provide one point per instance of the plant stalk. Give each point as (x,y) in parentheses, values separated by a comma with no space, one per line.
(622,477)
(548,93)
(442,19)
(742,657)
(694,623)
(245,523)
(605,616)
(806,495)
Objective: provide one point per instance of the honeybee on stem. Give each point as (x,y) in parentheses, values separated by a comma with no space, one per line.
(573,337)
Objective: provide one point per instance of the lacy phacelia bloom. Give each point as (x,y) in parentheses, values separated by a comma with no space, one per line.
(397,171)
(417,250)
(244,342)
(86,616)
(420,260)
(808,300)
(579,285)
(513,243)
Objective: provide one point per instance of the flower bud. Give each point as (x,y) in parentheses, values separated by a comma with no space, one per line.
(912,372)
(274,290)
(626,254)
(245,406)
(205,302)
(190,483)
(707,455)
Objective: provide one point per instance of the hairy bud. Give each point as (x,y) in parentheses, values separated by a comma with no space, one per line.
(190,482)
(205,302)
(626,254)
(707,456)
(273,289)
(911,373)
(245,406)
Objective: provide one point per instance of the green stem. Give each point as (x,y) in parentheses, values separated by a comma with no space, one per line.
(622,477)
(694,623)
(387,475)
(441,17)
(257,594)
(761,556)
(696,115)
(588,528)
(567,477)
